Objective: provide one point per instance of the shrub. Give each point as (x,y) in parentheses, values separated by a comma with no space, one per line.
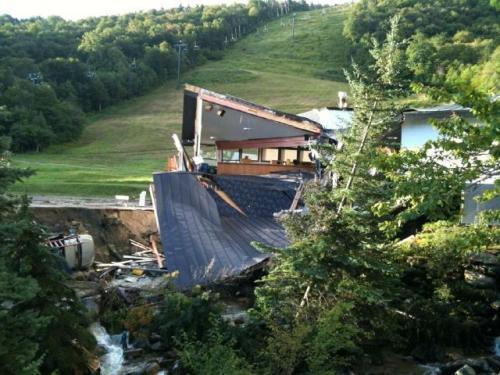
(189,316)
(212,357)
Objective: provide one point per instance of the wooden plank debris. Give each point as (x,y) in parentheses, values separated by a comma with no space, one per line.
(297,197)
(139,260)
(159,259)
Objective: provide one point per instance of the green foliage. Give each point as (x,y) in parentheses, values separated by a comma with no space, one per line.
(428,182)
(286,348)
(443,35)
(213,76)
(213,356)
(336,344)
(337,272)
(284,76)
(445,309)
(54,69)
(43,325)
(190,316)
(445,247)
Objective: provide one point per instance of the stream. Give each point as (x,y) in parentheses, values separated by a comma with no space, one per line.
(112,361)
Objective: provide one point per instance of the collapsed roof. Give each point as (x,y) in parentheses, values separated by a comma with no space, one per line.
(207,226)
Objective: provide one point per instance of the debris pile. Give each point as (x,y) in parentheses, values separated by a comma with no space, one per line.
(146,259)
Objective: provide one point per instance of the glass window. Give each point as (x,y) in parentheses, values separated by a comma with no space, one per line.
(250,154)
(288,156)
(304,156)
(270,154)
(230,155)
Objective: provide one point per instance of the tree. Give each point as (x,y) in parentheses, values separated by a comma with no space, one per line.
(43,326)
(31,134)
(335,273)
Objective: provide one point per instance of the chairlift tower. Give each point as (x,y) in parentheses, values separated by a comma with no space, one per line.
(181,47)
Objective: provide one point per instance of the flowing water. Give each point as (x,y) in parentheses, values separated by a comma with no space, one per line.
(496,346)
(112,361)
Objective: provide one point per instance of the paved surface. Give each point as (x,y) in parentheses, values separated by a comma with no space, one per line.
(78,202)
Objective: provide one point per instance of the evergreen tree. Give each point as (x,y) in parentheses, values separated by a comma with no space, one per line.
(335,273)
(43,326)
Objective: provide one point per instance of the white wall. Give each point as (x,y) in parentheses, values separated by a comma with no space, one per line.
(414,134)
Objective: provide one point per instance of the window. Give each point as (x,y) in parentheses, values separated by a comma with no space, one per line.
(230,155)
(249,154)
(270,154)
(304,156)
(288,156)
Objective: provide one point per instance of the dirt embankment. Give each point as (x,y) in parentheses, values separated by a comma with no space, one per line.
(111,228)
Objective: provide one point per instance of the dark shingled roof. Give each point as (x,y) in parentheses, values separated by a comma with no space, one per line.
(204,238)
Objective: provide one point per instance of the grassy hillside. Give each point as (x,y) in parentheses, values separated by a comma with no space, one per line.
(123,145)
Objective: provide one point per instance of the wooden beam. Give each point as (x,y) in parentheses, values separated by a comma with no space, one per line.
(159,260)
(152,193)
(298,194)
(198,125)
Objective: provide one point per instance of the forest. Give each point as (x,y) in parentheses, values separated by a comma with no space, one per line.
(443,39)
(378,265)
(53,71)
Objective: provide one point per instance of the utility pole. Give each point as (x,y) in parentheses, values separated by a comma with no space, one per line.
(293,25)
(181,47)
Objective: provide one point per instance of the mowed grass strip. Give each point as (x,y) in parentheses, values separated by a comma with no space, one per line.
(122,146)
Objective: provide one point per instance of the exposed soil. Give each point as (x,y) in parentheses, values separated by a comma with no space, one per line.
(110,225)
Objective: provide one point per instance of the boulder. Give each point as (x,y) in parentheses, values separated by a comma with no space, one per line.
(478,364)
(84,288)
(154,337)
(156,346)
(92,305)
(152,368)
(484,258)
(430,370)
(486,269)
(478,280)
(465,370)
(133,353)
(494,363)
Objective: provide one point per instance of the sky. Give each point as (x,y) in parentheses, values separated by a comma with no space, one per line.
(71,9)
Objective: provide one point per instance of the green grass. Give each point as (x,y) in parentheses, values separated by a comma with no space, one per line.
(121,147)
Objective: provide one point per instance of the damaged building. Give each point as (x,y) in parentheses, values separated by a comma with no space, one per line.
(209,223)
(211,213)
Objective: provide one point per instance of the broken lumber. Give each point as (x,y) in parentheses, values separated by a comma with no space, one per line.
(297,196)
(159,260)
(135,257)
(140,246)
(125,267)
(107,272)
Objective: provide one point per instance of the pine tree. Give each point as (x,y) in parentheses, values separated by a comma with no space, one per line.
(335,273)
(43,326)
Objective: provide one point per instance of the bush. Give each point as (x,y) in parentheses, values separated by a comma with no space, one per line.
(445,310)
(212,357)
(191,317)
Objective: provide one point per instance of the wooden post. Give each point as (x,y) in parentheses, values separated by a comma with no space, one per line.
(153,201)
(298,194)
(155,251)
(198,125)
